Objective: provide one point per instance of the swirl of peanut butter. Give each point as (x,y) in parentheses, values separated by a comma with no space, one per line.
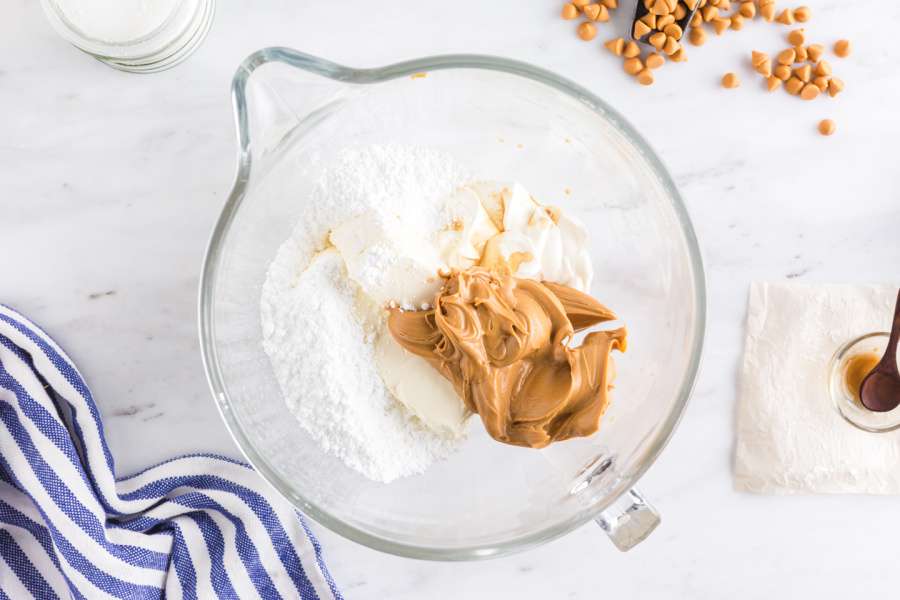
(503,343)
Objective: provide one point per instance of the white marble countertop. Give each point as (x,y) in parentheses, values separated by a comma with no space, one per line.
(110,183)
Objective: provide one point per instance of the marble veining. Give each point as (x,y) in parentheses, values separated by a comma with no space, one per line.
(111,183)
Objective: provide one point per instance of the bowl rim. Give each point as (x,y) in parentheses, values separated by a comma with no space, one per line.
(209,271)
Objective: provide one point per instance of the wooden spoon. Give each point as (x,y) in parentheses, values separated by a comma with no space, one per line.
(880,390)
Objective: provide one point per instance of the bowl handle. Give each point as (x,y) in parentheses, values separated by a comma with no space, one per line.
(629,520)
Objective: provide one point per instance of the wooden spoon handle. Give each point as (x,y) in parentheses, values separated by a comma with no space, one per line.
(890,353)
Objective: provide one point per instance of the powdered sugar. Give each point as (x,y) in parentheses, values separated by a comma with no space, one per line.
(319,342)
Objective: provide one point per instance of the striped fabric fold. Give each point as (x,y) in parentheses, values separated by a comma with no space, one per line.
(198,526)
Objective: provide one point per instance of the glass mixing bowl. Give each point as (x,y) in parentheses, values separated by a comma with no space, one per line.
(511,122)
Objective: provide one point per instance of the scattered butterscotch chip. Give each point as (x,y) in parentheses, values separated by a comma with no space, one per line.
(654,60)
(587,31)
(767,10)
(691,4)
(786,57)
(821,82)
(827,127)
(610,4)
(709,12)
(823,68)
(764,68)
(697,36)
(679,55)
(815,52)
(803,73)
(603,15)
(633,65)
(747,10)
(757,58)
(720,24)
(802,14)
(809,92)
(671,46)
(800,54)
(581,3)
(569,11)
(664,21)
(631,50)
(835,86)
(737,22)
(723,4)
(680,12)
(772,83)
(730,80)
(645,77)
(786,17)
(640,30)
(793,86)
(592,11)
(615,46)
(842,48)
(797,37)
(782,72)
(673,30)
(697,19)
(658,40)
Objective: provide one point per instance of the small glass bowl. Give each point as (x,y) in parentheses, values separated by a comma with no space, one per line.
(155,48)
(845,400)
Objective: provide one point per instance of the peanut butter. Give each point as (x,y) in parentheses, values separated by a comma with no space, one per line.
(503,342)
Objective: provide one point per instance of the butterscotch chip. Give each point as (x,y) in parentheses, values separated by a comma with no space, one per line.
(661,7)
(691,4)
(645,77)
(724,4)
(827,127)
(821,82)
(823,68)
(581,3)
(796,37)
(802,14)
(782,72)
(757,58)
(709,12)
(640,30)
(671,5)
(767,9)
(842,48)
(631,50)
(633,65)
(835,86)
(658,40)
(793,86)
(616,46)
(680,12)
(697,36)
(803,73)
(697,19)
(764,68)
(664,21)
(799,54)
(720,24)
(786,57)
(772,83)
(679,55)
(569,11)
(737,22)
(610,4)
(654,60)
(673,30)
(786,17)
(603,17)
(747,10)
(649,20)
(730,80)
(809,92)
(587,31)
(592,11)
(815,51)
(671,46)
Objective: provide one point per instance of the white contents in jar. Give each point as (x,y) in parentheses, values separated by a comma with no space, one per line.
(117,21)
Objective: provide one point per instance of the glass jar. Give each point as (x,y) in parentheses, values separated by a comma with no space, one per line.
(846,400)
(140,36)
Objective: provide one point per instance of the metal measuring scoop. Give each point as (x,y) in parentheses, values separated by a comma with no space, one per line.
(880,389)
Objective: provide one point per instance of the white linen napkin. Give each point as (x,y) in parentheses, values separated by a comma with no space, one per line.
(790,437)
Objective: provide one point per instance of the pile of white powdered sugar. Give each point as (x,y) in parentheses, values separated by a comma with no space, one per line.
(321,349)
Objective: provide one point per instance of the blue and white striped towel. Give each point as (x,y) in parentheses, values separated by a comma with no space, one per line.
(193,527)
